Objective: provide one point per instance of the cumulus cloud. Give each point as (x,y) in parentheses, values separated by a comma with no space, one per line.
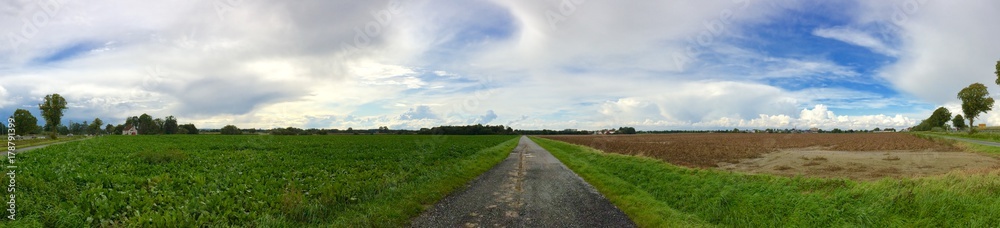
(418,113)
(486,118)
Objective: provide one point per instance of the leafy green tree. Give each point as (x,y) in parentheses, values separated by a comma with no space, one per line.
(52,110)
(958,122)
(24,122)
(975,100)
(95,127)
(3,127)
(147,126)
(170,125)
(939,118)
(110,129)
(231,130)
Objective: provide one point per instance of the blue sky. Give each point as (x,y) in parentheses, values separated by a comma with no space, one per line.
(528,64)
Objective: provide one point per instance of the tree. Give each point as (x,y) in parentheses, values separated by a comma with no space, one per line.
(939,118)
(231,130)
(63,130)
(3,128)
(958,122)
(170,125)
(975,100)
(146,125)
(134,121)
(24,122)
(110,129)
(191,129)
(159,125)
(52,110)
(95,127)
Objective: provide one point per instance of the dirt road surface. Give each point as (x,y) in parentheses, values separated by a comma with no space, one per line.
(530,188)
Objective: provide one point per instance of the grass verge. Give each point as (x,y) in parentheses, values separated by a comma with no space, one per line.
(657,194)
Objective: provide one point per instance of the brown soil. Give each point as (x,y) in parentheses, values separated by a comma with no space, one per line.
(861,165)
(862,156)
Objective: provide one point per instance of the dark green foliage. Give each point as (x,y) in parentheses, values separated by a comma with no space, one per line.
(191,129)
(230,130)
(147,126)
(24,122)
(958,122)
(170,125)
(52,110)
(939,118)
(975,100)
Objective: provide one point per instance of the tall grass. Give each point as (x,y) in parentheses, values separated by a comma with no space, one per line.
(654,194)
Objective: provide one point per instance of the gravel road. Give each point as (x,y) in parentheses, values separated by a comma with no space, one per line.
(531,188)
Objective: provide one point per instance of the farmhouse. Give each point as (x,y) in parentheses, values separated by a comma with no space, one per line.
(130,130)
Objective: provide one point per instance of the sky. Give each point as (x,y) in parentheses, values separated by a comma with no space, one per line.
(528,64)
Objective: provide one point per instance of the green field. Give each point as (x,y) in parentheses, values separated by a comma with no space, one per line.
(239,181)
(655,194)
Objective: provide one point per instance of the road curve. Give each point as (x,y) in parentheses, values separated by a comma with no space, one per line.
(530,188)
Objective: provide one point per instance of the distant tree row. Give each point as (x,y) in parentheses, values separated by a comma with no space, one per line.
(477,129)
(147,125)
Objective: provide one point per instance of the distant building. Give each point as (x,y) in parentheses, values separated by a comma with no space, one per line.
(130,130)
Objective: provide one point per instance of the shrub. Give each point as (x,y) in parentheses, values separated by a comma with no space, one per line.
(231,130)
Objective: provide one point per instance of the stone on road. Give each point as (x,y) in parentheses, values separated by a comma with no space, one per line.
(530,188)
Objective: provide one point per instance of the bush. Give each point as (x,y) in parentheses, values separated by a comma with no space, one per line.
(231,130)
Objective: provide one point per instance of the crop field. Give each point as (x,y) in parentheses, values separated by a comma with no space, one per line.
(256,181)
(855,156)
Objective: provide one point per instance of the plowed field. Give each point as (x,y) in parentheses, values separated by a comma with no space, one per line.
(707,150)
(855,156)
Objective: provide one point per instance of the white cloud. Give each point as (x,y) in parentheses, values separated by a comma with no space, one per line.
(944,47)
(855,37)
(608,64)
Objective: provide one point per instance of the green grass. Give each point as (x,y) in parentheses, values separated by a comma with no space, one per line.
(241,181)
(657,194)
